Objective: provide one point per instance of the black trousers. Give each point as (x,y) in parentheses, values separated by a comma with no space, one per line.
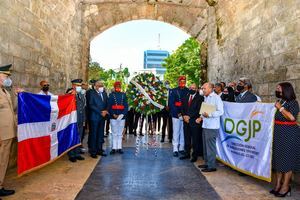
(193,139)
(107,123)
(129,123)
(167,125)
(96,136)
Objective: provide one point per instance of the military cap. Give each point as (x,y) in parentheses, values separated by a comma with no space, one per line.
(76,81)
(5,69)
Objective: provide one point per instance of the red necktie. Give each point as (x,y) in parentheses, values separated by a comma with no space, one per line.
(190,100)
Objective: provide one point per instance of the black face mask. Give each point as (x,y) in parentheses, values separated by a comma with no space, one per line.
(236,93)
(240,88)
(45,88)
(278,94)
(192,92)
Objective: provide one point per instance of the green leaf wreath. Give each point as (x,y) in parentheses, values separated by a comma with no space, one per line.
(153,87)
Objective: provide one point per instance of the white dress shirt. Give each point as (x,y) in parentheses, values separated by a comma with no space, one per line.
(43,93)
(213,121)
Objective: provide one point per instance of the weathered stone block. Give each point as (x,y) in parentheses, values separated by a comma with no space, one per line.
(293,72)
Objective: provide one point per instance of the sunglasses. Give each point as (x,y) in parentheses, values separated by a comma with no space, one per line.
(46,85)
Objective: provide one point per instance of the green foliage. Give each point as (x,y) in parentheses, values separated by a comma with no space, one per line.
(96,72)
(184,61)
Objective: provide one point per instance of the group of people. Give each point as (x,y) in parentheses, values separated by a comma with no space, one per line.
(193,135)
(199,132)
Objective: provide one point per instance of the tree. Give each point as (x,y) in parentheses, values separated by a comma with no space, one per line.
(96,72)
(184,61)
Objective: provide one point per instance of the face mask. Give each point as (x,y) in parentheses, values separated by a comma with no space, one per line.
(78,89)
(7,82)
(101,89)
(240,88)
(236,93)
(45,88)
(118,89)
(181,85)
(278,94)
(83,91)
(201,92)
(167,86)
(192,92)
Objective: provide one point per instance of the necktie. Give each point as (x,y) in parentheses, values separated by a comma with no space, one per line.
(190,100)
(100,94)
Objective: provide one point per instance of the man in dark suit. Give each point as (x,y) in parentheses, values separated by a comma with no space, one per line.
(97,104)
(167,118)
(219,90)
(245,95)
(192,130)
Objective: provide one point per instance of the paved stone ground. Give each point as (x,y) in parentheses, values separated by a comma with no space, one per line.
(146,177)
(64,180)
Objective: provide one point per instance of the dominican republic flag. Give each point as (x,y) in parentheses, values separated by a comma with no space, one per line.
(47,128)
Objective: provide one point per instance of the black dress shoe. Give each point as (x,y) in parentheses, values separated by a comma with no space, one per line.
(103,154)
(162,140)
(193,159)
(120,151)
(185,157)
(4,192)
(79,158)
(73,159)
(175,154)
(170,141)
(202,166)
(141,134)
(112,152)
(181,152)
(94,155)
(209,170)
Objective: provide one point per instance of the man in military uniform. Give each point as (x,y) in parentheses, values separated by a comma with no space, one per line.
(74,154)
(176,110)
(7,125)
(118,109)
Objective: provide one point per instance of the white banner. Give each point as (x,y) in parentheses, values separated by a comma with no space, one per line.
(246,137)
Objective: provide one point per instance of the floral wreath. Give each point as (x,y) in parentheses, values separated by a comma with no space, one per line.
(146,94)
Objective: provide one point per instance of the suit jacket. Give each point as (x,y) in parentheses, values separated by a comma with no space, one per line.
(193,110)
(176,96)
(96,105)
(7,116)
(248,97)
(80,105)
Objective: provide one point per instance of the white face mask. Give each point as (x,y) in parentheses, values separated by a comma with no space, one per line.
(78,89)
(101,89)
(201,92)
(83,91)
(7,82)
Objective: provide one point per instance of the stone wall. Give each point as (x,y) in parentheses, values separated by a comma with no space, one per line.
(257,39)
(42,39)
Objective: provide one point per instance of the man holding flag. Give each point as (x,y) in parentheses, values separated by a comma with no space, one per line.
(7,125)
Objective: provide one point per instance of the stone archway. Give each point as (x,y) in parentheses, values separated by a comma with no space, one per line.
(99,16)
(50,39)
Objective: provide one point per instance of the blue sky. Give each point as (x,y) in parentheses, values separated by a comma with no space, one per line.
(125,43)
